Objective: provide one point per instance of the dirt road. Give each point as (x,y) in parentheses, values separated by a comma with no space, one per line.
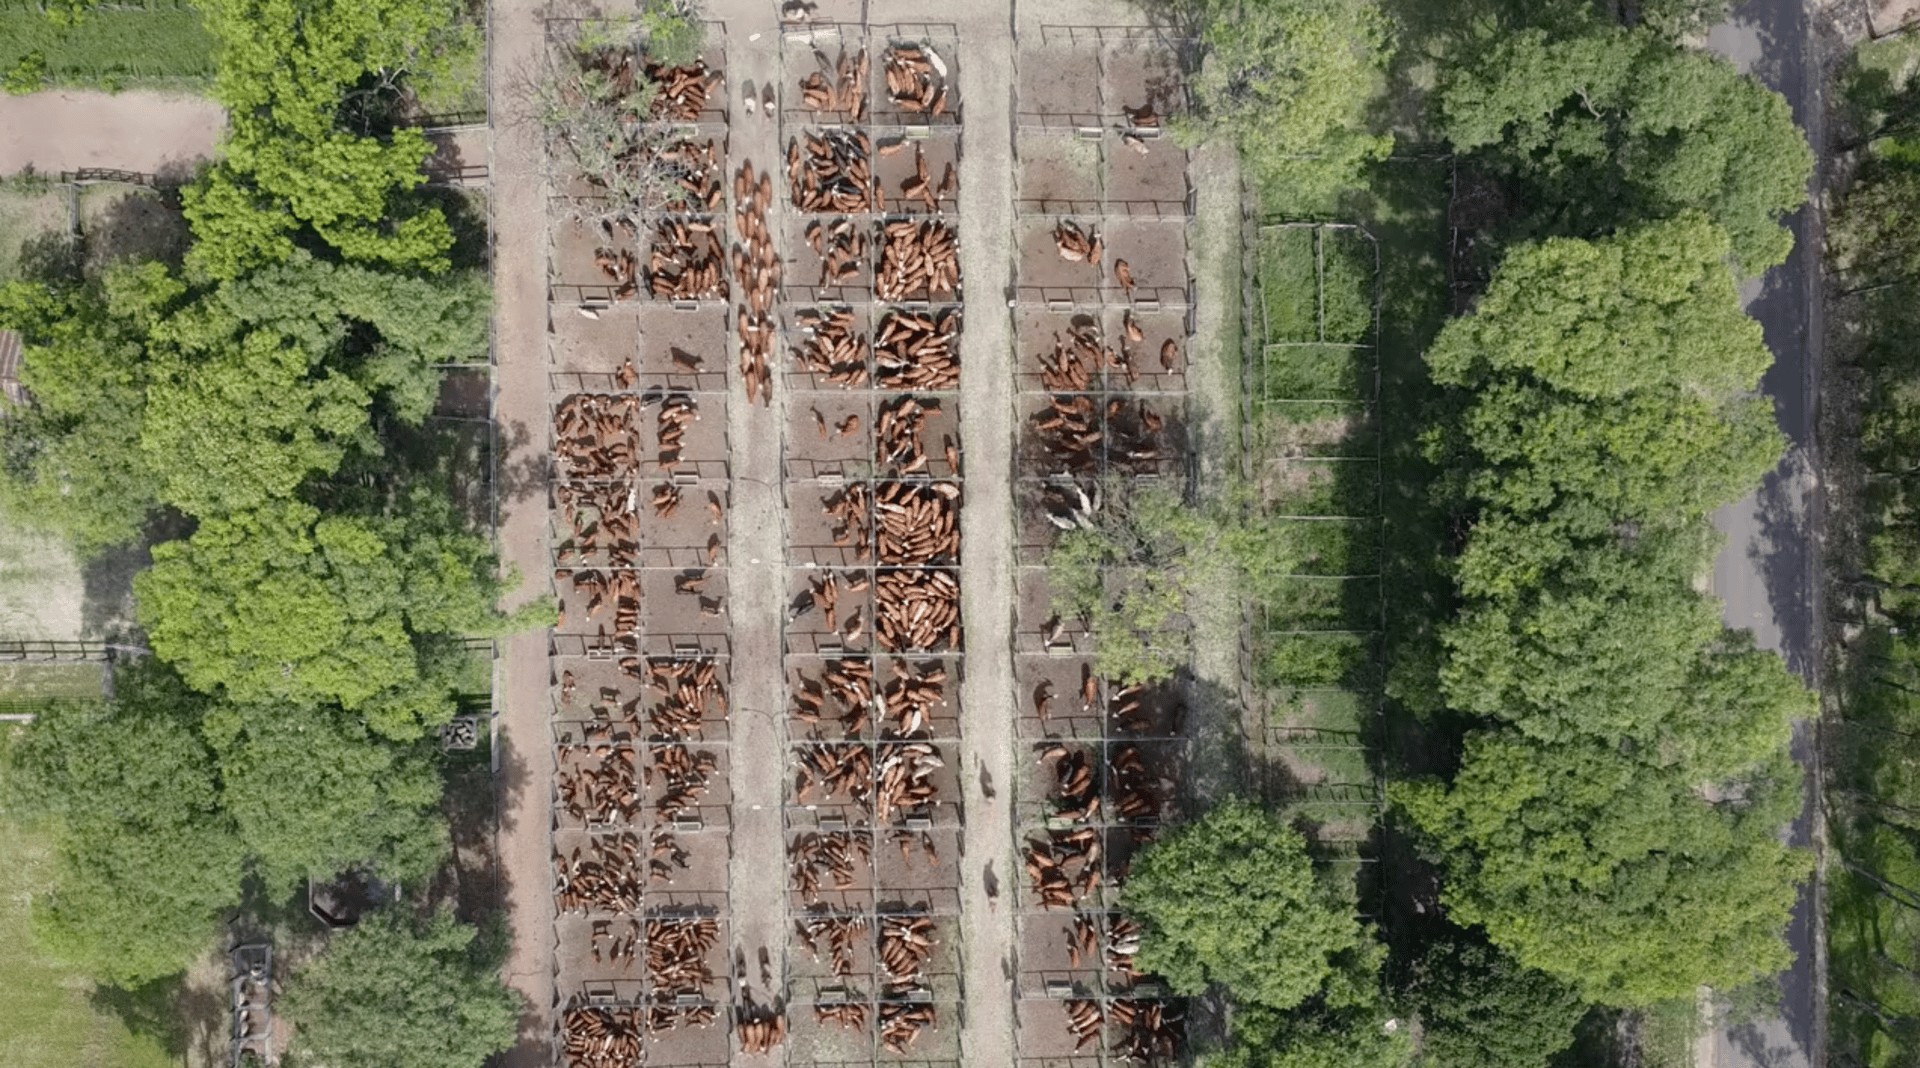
(135,131)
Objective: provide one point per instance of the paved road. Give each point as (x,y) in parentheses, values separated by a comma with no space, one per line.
(1766,573)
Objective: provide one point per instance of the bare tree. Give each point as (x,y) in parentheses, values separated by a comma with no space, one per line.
(612,153)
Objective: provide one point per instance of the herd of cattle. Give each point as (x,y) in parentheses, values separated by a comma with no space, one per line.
(872,710)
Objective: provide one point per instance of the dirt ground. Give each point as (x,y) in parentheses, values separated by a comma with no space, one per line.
(772,471)
(41,589)
(134,131)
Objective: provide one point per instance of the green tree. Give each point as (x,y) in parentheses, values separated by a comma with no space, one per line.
(1127,570)
(70,459)
(284,605)
(1478,1008)
(313,792)
(146,855)
(1626,878)
(1673,19)
(1650,307)
(1289,82)
(1365,1038)
(1618,645)
(402,993)
(290,71)
(1234,899)
(1609,127)
(1875,236)
(1611,410)
(269,380)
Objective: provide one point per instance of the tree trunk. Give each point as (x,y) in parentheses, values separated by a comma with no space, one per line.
(1894,891)
(1867,800)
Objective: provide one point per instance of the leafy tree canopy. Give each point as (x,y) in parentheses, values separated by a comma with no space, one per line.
(1289,82)
(147,856)
(1616,644)
(1610,127)
(282,605)
(1651,307)
(313,793)
(1264,1039)
(1128,572)
(144,393)
(269,380)
(1233,898)
(289,71)
(71,459)
(1875,236)
(1481,1009)
(402,993)
(1134,559)
(1612,387)
(1613,873)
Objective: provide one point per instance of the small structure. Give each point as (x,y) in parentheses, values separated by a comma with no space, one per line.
(351,895)
(253,1003)
(460,733)
(10,386)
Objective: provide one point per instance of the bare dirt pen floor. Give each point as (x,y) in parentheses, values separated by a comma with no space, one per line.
(733,539)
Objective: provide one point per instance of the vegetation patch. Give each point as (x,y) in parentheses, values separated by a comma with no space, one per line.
(149,44)
(46,1017)
(1873,730)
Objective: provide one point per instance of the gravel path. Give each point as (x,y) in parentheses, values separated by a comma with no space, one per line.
(1226,732)
(756,557)
(134,131)
(525,748)
(987,532)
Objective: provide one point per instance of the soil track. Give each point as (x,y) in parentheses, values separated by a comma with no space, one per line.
(134,131)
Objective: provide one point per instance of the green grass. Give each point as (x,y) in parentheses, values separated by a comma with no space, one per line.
(1318,371)
(158,44)
(1316,284)
(1346,285)
(46,1018)
(28,210)
(1334,710)
(1320,486)
(1315,603)
(1320,659)
(1288,280)
(1667,1031)
(24,686)
(1333,547)
(1314,428)
(1897,56)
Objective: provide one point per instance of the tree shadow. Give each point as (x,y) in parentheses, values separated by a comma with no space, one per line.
(1782,557)
(139,226)
(53,257)
(153,1011)
(533,1043)
(191,1023)
(470,881)
(522,470)
(465,210)
(106,604)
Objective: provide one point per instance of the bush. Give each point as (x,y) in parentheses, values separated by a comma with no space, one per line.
(28,75)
